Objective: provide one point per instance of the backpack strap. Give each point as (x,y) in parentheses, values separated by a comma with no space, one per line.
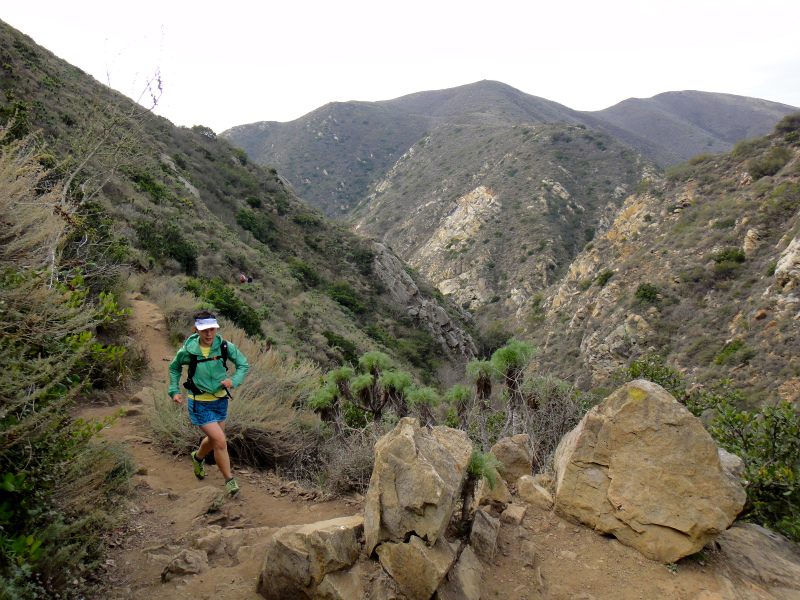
(193,360)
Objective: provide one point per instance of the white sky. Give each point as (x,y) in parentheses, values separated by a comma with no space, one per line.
(225,64)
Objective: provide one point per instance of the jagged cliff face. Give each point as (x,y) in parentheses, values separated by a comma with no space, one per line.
(702,268)
(431,315)
(493,215)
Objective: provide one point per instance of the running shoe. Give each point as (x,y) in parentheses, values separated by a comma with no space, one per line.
(199,469)
(232,487)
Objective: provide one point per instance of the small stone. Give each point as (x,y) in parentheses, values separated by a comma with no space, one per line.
(514,514)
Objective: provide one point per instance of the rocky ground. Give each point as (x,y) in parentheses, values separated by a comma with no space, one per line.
(171,511)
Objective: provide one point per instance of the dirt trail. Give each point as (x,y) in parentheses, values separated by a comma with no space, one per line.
(170,506)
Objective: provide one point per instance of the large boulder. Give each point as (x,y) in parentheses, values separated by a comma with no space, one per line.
(641,467)
(516,456)
(416,483)
(417,569)
(299,556)
(762,557)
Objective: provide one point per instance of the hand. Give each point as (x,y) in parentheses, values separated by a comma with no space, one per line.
(227,383)
(177,398)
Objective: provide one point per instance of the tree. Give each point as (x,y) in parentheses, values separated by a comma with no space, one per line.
(424,399)
(510,361)
(459,396)
(482,465)
(480,372)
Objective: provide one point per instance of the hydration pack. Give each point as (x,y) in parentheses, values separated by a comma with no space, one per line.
(193,360)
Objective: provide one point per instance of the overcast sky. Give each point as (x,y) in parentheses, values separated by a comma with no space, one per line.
(229,63)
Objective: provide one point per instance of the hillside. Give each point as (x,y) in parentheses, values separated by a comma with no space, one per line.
(673,127)
(697,267)
(183,203)
(492,215)
(333,155)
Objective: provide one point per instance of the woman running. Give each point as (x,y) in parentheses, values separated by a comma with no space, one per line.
(206,353)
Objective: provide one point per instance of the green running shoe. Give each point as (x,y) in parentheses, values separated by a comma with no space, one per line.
(199,468)
(232,487)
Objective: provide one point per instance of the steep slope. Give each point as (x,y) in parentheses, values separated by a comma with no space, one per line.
(334,154)
(675,126)
(698,267)
(493,214)
(170,201)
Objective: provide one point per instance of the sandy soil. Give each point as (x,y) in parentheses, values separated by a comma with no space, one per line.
(170,505)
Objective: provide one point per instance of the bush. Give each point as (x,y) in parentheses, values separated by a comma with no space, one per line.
(225,301)
(775,160)
(789,124)
(165,240)
(343,293)
(782,203)
(652,368)
(260,225)
(768,441)
(603,278)
(647,292)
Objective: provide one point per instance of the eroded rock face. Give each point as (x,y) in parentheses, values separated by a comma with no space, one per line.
(416,483)
(787,271)
(187,562)
(642,467)
(298,557)
(389,270)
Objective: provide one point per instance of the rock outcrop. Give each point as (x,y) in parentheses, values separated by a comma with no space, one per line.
(416,483)
(450,337)
(298,557)
(516,456)
(641,467)
(787,271)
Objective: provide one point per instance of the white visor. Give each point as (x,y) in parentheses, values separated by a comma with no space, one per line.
(201,324)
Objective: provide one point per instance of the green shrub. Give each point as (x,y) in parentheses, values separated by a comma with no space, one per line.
(260,225)
(646,292)
(306,220)
(165,240)
(304,272)
(343,293)
(735,255)
(652,368)
(603,278)
(789,124)
(225,301)
(775,160)
(348,349)
(783,202)
(768,441)
(253,201)
(724,223)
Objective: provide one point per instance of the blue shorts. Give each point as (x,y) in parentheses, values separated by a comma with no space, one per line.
(203,413)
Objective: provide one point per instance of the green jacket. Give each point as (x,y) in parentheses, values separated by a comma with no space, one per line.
(210,374)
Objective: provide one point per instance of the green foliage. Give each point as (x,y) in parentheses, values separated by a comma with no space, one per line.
(782,203)
(163,239)
(224,299)
(304,272)
(253,201)
(345,346)
(240,155)
(768,441)
(775,160)
(647,292)
(735,353)
(308,221)
(724,223)
(484,465)
(205,131)
(145,181)
(513,356)
(343,293)
(603,278)
(427,396)
(652,368)
(260,225)
(789,124)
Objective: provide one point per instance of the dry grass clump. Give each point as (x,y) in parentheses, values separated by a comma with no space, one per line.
(266,425)
(347,462)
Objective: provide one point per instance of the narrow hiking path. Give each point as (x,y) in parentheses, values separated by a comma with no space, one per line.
(169,514)
(169,504)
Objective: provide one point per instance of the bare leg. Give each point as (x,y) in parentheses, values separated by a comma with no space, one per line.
(215,440)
